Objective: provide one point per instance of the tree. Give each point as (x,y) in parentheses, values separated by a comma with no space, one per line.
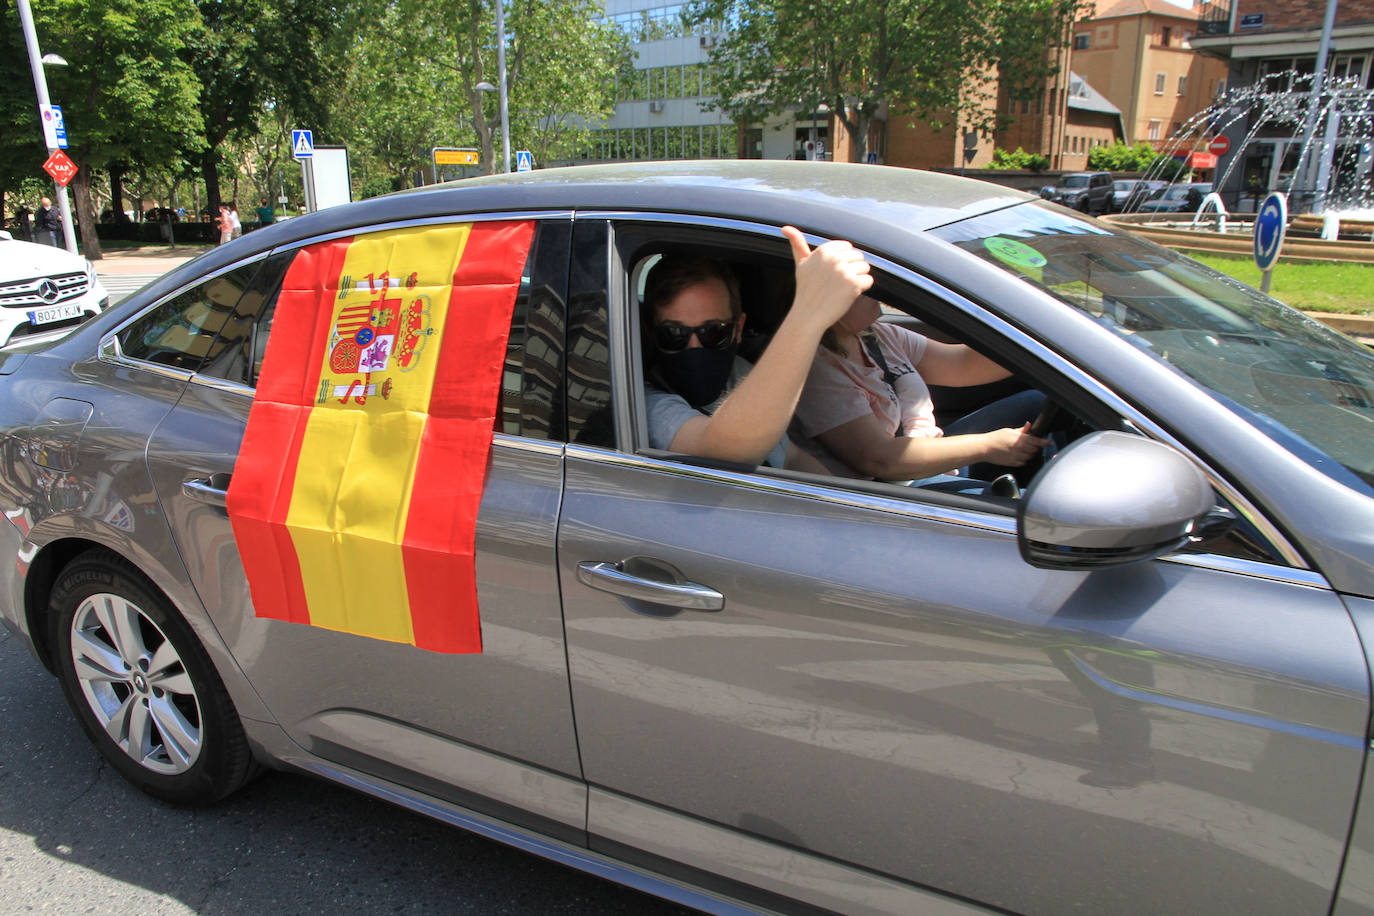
(561,65)
(126,94)
(253,56)
(863,59)
(21,137)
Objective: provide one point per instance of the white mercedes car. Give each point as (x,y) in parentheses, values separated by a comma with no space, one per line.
(44,289)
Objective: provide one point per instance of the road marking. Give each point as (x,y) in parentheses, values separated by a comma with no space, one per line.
(121,286)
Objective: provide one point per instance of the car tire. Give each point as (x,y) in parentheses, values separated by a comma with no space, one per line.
(142,685)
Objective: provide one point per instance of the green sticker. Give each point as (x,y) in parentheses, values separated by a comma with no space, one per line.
(1014,253)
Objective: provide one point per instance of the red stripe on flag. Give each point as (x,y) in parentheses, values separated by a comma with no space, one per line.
(265,471)
(440,534)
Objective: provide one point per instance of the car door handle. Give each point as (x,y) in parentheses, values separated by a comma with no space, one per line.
(213,490)
(613,578)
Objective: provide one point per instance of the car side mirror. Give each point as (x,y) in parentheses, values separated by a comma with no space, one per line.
(5,236)
(1109,499)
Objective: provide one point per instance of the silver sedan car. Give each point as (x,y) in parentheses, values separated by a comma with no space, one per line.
(369,495)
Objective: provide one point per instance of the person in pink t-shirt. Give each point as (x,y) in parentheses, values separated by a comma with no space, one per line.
(865,410)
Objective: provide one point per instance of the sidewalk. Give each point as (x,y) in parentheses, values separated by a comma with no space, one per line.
(152,260)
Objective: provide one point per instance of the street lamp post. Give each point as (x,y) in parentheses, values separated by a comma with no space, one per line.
(501,68)
(40,85)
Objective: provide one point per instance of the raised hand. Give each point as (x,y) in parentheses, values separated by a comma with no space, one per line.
(829,278)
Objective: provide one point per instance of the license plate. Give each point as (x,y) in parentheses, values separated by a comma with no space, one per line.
(54,313)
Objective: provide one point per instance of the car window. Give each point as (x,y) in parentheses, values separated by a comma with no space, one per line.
(1309,389)
(237,355)
(181,332)
(589,407)
(532,377)
(763,270)
(532,374)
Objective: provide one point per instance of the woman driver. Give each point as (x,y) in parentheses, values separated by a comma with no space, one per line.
(866,401)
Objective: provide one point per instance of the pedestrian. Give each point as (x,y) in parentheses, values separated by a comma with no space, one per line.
(225,224)
(235,224)
(266,215)
(25,224)
(47,223)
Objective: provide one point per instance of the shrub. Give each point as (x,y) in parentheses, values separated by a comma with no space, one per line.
(1019,159)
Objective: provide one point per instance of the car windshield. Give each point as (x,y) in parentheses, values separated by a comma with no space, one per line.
(1075,181)
(1123,185)
(1305,386)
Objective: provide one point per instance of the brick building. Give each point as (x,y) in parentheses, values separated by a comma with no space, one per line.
(1137,54)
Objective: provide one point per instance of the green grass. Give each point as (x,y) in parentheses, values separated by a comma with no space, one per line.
(1317,286)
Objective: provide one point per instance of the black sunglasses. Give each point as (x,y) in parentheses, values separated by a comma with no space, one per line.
(715,334)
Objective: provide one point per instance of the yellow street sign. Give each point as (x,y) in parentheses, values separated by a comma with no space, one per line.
(455,156)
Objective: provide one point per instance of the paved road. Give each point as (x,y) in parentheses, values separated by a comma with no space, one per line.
(121,285)
(75,838)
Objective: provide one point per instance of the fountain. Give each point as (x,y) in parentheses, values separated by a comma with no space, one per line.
(1327,179)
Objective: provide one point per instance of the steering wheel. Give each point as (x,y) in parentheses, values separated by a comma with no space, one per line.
(1050,416)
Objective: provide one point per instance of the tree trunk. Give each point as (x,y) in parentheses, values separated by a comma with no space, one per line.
(85,214)
(210,173)
(485,143)
(117,193)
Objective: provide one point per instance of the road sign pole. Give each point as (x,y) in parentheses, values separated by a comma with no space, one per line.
(40,85)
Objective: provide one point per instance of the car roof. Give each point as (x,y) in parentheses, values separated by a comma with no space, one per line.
(920,200)
(884,207)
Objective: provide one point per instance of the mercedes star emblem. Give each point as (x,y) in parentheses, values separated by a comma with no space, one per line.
(48,291)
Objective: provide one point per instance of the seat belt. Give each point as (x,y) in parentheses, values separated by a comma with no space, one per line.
(875,352)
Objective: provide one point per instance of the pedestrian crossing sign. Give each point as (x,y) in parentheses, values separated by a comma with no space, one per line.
(302,144)
(524,162)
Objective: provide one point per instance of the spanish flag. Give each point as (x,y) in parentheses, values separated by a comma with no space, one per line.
(354,498)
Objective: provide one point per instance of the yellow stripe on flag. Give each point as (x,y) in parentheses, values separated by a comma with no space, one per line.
(357,461)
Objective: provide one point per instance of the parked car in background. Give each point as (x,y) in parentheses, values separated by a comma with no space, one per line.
(44,289)
(1090,192)
(369,495)
(1129,193)
(1177,198)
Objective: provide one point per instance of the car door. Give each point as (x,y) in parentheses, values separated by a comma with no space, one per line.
(491,730)
(861,695)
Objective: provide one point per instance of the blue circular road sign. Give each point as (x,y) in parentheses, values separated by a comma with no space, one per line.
(1271,222)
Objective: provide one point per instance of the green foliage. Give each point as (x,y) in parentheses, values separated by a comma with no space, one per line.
(254,57)
(414,70)
(1019,159)
(1122,157)
(128,95)
(933,60)
(1142,157)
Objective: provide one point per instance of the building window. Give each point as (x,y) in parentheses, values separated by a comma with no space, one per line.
(1154,129)
(1160,79)
(1183,85)
(1081,42)
(1164,35)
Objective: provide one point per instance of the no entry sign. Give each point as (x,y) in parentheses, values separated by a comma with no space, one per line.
(1219,146)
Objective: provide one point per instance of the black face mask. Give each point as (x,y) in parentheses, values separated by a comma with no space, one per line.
(698,374)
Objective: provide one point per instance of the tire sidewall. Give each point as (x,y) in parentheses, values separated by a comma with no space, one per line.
(213,773)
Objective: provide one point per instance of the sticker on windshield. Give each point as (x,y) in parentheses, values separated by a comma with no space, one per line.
(1017,254)
(355,495)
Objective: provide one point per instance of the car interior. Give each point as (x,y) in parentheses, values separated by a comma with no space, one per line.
(765,273)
